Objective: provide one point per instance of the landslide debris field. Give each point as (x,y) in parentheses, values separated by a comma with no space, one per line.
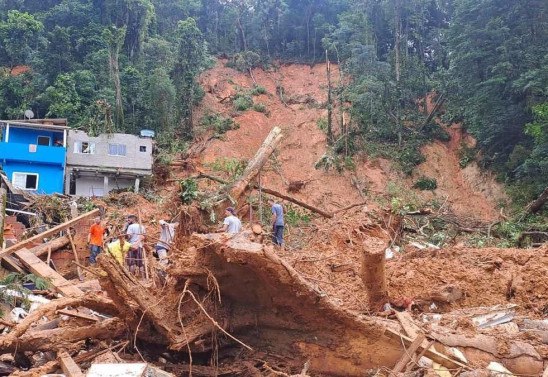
(360,288)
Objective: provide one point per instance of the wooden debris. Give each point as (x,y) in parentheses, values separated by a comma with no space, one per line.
(75,253)
(39,268)
(408,354)
(537,204)
(69,367)
(53,245)
(48,233)
(73,313)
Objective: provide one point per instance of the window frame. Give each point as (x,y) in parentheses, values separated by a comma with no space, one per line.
(25,174)
(79,150)
(142,149)
(117,149)
(45,137)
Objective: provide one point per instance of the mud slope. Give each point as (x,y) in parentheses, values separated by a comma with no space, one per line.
(468,191)
(304,143)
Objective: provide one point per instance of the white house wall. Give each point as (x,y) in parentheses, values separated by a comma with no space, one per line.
(134,159)
(94,186)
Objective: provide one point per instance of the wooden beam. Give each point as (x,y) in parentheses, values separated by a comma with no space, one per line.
(53,245)
(69,367)
(48,233)
(408,354)
(39,268)
(432,355)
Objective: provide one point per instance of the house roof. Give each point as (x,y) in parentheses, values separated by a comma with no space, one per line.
(41,124)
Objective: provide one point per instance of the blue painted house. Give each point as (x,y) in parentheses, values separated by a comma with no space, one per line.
(33,154)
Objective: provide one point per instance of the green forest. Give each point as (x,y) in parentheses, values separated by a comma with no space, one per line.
(124,65)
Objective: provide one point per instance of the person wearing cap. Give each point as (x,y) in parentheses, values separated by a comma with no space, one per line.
(231,223)
(167,233)
(136,236)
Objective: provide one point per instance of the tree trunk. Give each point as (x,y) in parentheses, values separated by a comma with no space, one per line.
(256,163)
(296,201)
(374,279)
(537,204)
(329,102)
(56,244)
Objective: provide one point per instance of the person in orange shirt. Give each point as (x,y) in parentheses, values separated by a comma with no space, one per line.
(95,240)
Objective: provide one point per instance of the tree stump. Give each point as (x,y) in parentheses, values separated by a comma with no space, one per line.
(373,276)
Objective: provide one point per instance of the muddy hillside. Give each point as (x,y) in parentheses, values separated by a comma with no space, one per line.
(374,277)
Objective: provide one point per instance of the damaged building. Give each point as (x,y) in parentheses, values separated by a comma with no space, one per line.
(96,165)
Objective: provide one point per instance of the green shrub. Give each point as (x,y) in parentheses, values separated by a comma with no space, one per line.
(436,132)
(296,216)
(425,183)
(322,124)
(218,123)
(257,90)
(189,190)
(409,157)
(466,155)
(259,107)
(242,102)
(231,166)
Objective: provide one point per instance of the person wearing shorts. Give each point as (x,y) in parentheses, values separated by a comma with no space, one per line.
(136,234)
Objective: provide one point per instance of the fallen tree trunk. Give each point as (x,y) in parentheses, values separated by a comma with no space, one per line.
(67,337)
(55,244)
(95,302)
(374,279)
(537,204)
(163,314)
(256,163)
(311,324)
(296,201)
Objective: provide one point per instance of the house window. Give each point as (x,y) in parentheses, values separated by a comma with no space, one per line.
(43,140)
(117,149)
(84,147)
(25,181)
(143,148)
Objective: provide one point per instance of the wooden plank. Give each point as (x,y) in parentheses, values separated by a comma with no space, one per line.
(12,264)
(39,268)
(74,313)
(429,353)
(75,253)
(69,367)
(48,233)
(408,354)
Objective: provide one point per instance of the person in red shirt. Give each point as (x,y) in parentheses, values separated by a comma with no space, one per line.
(95,239)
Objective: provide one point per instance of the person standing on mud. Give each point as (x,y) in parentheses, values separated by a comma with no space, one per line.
(136,236)
(167,233)
(231,223)
(277,222)
(95,240)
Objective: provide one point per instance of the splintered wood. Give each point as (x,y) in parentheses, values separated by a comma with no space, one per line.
(39,268)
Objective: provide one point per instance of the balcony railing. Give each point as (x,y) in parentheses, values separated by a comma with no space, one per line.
(32,153)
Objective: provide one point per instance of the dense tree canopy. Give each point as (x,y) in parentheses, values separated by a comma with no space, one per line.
(132,64)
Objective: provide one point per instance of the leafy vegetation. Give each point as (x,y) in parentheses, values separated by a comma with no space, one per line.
(425,183)
(218,123)
(231,166)
(189,190)
(121,65)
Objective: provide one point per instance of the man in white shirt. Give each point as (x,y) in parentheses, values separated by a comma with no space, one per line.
(136,236)
(167,233)
(231,223)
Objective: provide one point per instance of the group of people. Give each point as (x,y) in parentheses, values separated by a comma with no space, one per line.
(232,223)
(127,246)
